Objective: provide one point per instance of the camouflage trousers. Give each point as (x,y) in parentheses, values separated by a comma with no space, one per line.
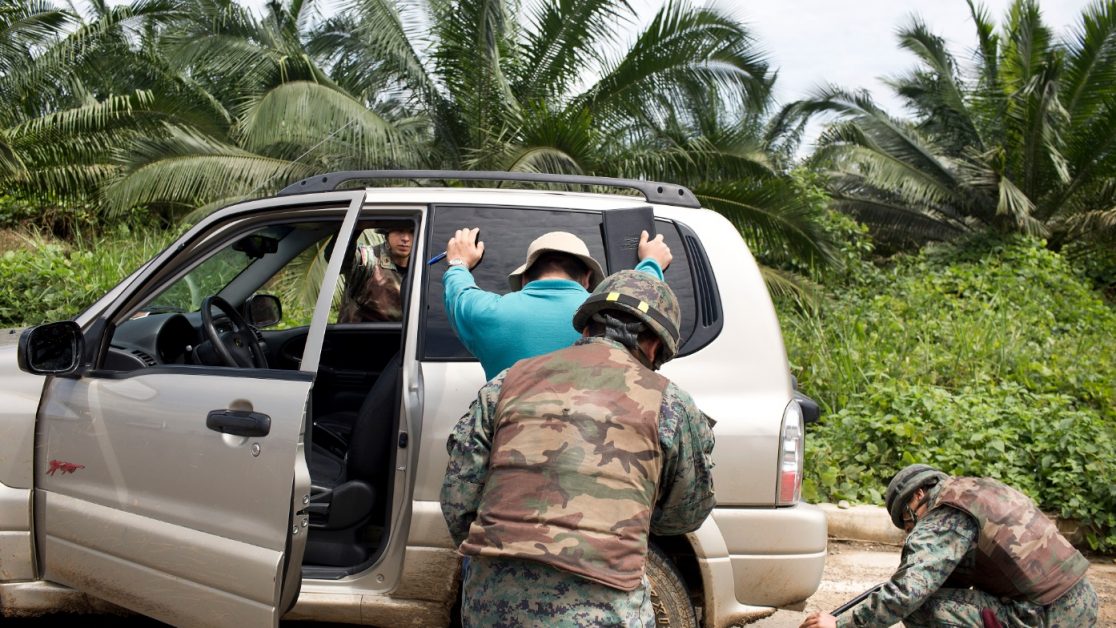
(505,592)
(961,607)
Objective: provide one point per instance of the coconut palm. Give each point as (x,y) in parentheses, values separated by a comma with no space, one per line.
(1023,141)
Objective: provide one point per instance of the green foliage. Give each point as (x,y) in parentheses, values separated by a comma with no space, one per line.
(1097,263)
(1060,453)
(1018,141)
(989,311)
(993,357)
(48,280)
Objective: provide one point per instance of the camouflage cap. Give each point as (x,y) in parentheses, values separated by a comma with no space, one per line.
(904,483)
(641,295)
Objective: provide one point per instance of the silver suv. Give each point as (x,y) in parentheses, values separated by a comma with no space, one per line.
(207,445)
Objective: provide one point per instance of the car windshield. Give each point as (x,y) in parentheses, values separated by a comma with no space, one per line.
(212,275)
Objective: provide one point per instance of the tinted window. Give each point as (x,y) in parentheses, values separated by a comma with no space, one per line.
(506,233)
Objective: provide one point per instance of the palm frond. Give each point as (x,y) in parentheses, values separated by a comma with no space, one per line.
(375,46)
(774,218)
(988,46)
(563,41)
(1095,224)
(1017,206)
(187,170)
(310,115)
(472,39)
(11,166)
(63,62)
(891,218)
(27,28)
(784,284)
(1090,66)
(682,54)
(936,94)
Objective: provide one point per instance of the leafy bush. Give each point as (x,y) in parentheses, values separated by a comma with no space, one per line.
(994,358)
(48,280)
(1097,262)
(1043,444)
(990,312)
(69,217)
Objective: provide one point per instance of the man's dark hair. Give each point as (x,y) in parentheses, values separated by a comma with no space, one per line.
(554,261)
(622,327)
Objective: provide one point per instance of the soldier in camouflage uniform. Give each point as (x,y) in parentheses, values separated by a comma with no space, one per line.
(566,462)
(974,545)
(373,285)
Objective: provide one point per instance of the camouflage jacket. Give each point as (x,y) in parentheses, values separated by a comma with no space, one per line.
(372,287)
(940,552)
(1020,554)
(586,470)
(939,542)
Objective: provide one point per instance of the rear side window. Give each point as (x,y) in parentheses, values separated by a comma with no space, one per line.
(507,232)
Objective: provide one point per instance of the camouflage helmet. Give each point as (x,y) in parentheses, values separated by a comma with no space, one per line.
(642,296)
(904,484)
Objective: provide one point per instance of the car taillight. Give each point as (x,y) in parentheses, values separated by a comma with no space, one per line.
(792,443)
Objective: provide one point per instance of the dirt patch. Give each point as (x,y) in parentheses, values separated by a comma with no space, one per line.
(12,241)
(852,567)
(1102,573)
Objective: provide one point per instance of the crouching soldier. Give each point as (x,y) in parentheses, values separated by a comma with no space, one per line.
(566,462)
(974,547)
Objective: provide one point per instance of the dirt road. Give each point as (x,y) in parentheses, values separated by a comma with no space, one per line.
(851,568)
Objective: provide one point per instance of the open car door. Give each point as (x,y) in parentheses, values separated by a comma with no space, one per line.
(179,490)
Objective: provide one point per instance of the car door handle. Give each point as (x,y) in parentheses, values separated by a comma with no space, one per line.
(238,422)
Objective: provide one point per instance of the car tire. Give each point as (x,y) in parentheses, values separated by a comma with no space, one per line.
(669,596)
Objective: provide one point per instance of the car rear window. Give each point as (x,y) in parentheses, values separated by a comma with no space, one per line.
(506,233)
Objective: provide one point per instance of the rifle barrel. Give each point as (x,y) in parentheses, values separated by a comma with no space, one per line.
(856,600)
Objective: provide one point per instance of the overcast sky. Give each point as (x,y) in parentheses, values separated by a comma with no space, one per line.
(850,43)
(846,42)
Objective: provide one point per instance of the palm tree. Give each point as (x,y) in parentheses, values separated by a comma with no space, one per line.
(62,115)
(260,112)
(26,29)
(209,104)
(562,91)
(1025,141)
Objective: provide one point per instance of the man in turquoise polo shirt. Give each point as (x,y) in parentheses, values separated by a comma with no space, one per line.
(537,316)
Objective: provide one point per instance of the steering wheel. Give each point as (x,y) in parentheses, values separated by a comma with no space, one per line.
(238,347)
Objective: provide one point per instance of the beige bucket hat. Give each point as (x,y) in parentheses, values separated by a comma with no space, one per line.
(559,242)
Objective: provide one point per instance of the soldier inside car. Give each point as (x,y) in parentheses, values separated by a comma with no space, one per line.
(566,462)
(374,282)
(978,552)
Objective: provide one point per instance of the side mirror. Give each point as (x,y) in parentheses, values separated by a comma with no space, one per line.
(263,310)
(811,411)
(52,349)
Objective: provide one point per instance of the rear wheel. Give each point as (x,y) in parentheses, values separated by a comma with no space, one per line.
(669,595)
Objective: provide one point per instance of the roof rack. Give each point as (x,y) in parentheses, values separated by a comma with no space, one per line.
(662,193)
